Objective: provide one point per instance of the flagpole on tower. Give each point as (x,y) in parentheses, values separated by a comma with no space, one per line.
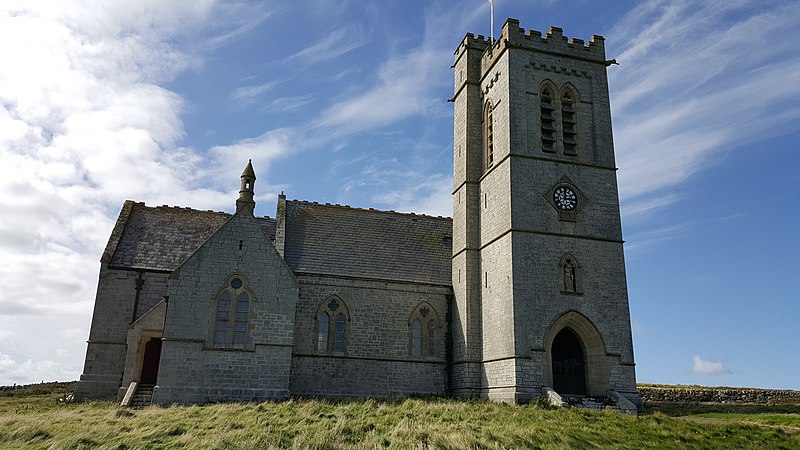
(491,20)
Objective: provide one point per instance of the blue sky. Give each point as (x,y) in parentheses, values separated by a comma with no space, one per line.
(345,102)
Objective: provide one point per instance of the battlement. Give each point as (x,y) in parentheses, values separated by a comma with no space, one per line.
(553,42)
(474,43)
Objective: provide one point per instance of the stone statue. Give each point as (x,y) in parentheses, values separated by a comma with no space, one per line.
(570,284)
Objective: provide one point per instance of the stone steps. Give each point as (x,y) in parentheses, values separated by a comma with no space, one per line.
(143,396)
(613,401)
(593,403)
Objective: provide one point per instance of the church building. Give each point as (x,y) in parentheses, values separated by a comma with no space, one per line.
(521,294)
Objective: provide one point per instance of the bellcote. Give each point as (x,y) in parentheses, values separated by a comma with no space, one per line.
(246,191)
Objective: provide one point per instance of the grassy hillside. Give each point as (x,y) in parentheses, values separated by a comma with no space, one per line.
(37,421)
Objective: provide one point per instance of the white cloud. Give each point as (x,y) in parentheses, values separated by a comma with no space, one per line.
(30,371)
(708,367)
(246,95)
(283,104)
(336,44)
(427,194)
(640,241)
(695,80)
(409,83)
(84,124)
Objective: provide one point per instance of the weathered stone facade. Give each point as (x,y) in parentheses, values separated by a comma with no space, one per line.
(531,117)
(524,289)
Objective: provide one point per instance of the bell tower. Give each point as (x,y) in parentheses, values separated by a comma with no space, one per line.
(541,297)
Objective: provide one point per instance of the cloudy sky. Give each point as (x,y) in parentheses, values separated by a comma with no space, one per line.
(345,102)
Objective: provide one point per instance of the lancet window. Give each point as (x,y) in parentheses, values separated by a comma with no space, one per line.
(488,135)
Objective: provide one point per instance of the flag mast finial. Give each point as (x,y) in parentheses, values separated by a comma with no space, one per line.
(491,20)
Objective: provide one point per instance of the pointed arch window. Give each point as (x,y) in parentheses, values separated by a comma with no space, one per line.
(488,135)
(422,333)
(558,119)
(333,326)
(232,315)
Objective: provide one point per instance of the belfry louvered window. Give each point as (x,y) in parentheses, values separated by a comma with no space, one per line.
(558,119)
(568,123)
(548,120)
(232,315)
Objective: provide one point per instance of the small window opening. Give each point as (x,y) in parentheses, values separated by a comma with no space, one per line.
(488,136)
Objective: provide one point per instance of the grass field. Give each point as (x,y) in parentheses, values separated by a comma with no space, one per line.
(34,420)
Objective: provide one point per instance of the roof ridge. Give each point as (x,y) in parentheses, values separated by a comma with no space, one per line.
(189,208)
(336,205)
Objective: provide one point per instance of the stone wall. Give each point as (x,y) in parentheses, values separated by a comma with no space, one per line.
(376,358)
(718,395)
(113,311)
(196,369)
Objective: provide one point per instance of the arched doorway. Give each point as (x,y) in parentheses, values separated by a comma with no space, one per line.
(569,364)
(152,356)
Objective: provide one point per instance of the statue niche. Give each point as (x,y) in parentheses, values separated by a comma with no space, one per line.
(571,276)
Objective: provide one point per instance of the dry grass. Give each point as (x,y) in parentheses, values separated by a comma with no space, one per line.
(39,422)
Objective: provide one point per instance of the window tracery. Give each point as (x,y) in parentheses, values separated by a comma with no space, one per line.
(333,327)
(422,325)
(232,314)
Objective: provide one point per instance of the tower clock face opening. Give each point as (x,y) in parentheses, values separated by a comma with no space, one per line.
(565,198)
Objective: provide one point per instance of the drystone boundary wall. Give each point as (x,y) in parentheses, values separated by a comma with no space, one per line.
(718,395)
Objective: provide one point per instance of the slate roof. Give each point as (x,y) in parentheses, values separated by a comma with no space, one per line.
(320,239)
(340,240)
(161,238)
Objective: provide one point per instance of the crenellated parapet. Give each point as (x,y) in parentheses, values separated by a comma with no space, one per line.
(554,42)
(468,60)
(472,43)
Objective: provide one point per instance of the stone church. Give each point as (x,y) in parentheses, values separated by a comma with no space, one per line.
(522,293)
